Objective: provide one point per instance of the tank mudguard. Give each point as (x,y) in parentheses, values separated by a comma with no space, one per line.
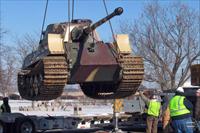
(52,45)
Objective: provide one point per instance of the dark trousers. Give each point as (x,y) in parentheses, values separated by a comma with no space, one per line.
(183,125)
(152,124)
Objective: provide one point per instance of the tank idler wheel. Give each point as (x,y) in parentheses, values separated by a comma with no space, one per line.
(40,78)
(24,125)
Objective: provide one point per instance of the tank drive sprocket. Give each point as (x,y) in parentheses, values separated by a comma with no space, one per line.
(46,81)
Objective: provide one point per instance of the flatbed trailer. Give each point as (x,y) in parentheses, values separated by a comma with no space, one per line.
(20,123)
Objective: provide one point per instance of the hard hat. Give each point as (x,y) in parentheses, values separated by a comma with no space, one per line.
(180,89)
(154,97)
(5,99)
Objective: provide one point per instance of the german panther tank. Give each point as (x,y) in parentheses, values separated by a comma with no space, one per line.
(72,52)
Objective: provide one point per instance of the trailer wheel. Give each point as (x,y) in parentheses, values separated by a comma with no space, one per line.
(3,127)
(25,125)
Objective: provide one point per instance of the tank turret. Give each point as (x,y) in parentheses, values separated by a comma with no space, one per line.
(117,11)
(79,33)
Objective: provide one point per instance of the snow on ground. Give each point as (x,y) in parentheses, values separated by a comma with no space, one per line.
(86,110)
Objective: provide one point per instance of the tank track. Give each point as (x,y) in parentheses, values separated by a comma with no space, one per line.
(45,81)
(132,75)
(131,78)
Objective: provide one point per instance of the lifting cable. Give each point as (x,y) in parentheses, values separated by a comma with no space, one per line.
(44,18)
(67,53)
(72,9)
(116,49)
(69,15)
(109,21)
(69,20)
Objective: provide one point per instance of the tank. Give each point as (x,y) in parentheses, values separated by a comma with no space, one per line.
(195,74)
(72,52)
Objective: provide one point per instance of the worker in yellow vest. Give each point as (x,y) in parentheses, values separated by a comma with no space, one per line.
(153,112)
(5,108)
(181,112)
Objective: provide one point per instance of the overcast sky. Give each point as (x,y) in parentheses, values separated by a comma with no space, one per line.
(19,17)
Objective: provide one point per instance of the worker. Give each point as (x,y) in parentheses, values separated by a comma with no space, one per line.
(181,112)
(5,108)
(153,111)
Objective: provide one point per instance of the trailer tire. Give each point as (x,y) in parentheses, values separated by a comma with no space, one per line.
(24,125)
(3,127)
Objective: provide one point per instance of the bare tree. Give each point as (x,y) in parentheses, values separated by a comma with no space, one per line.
(25,45)
(8,83)
(168,38)
(11,58)
(7,67)
(2,68)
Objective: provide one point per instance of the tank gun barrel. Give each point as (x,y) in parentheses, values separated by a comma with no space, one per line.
(117,11)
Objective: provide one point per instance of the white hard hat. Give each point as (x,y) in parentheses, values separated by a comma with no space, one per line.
(180,89)
(154,97)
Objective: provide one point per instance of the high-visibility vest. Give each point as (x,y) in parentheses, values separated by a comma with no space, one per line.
(177,107)
(154,108)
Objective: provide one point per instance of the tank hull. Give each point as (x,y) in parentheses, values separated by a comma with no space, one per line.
(100,74)
(195,75)
(95,66)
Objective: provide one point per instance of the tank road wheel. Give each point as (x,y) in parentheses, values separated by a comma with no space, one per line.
(24,125)
(36,86)
(40,78)
(27,81)
(21,85)
(31,80)
(30,85)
